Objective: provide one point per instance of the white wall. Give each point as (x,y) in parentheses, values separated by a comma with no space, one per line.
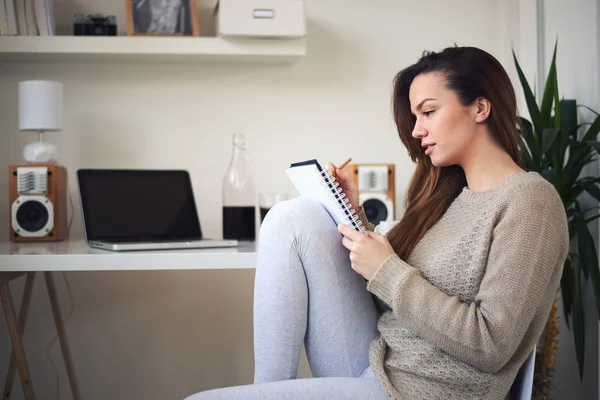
(179,332)
(4,157)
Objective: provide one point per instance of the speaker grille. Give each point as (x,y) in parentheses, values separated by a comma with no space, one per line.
(32,180)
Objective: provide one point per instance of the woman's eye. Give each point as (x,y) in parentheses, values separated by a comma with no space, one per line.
(427,113)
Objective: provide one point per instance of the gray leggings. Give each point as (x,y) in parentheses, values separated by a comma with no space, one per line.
(306,291)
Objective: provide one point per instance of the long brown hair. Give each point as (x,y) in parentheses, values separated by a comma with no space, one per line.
(471,73)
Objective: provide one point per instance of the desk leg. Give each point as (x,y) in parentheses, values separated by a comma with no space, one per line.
(10,376)
(62,335)
(15,338)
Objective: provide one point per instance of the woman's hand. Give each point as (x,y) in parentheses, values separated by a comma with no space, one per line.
(367,251)
(347,183)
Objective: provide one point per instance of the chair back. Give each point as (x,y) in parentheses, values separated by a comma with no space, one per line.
(522,387)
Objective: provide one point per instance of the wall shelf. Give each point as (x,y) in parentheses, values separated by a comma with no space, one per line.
(144,49)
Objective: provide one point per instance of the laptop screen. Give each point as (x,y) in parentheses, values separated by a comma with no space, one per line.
(138,205)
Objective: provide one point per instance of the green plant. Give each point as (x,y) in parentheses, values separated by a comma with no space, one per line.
(554,144)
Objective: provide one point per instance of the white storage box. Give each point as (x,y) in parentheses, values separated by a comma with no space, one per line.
(261,18)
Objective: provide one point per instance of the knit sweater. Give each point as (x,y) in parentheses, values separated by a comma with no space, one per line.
(464,311)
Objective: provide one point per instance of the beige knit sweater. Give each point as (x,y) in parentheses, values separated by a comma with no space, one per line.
(463,313)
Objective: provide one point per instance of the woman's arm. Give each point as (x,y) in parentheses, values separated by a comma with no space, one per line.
(526,256)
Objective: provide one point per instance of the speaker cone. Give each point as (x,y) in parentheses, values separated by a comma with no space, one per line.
(32,216)
(375,210)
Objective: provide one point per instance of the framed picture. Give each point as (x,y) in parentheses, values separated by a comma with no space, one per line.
(162,18)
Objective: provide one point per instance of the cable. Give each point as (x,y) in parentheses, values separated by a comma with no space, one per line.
(72,211)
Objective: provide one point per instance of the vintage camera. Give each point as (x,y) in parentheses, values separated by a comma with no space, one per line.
(94,25)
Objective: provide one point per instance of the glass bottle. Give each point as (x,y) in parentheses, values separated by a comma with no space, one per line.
(239,211)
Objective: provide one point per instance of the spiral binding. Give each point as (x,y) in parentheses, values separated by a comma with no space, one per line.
(336,191)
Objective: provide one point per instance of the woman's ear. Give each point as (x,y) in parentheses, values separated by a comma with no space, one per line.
(483,107)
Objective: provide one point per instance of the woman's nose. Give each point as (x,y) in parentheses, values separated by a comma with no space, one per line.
(418,131)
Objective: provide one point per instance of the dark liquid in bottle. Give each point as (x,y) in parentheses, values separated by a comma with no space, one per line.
(263,213)
(239,223)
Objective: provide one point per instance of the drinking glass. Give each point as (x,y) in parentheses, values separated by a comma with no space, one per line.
(267,200)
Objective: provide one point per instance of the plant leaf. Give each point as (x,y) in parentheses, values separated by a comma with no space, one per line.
(566,288)
(557,115)
(595,145)
(583,246)
(588,180)
(548,138)
(525,156)
(573,212)
(589,259)
(578,322)
(572,197)
(532,106)
(590,219)
(569,118)
(549,93)
(589,109)
(568,124)
(568,121)
(593,190)
(592,131)
(549,174)
(579,159)
(526,131)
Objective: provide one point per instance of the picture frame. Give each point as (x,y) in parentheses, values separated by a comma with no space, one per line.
(162,18)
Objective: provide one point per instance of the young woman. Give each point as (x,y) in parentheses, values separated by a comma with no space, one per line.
(450,303)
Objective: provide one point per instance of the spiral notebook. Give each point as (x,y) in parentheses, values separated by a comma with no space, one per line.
(314,182)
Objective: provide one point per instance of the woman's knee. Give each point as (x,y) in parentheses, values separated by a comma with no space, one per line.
(214,394)
(301,214)
(229,393)
(198,396)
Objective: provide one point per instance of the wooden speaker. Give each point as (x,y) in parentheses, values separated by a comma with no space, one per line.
(38,203)
(376,190)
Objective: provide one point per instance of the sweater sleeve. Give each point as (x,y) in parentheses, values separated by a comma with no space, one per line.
(526,255)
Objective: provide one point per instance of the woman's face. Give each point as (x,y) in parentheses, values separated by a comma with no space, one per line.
(445,128)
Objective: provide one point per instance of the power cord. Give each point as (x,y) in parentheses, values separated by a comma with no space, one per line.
(71,299)
(72,211)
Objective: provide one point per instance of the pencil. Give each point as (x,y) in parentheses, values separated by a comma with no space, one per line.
(341,166)
(345,163)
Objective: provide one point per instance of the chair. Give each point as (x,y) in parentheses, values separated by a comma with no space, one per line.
(522,387)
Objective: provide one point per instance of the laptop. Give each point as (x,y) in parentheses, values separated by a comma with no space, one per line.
(126,209)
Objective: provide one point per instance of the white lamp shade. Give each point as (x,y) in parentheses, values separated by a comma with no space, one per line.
(40,106)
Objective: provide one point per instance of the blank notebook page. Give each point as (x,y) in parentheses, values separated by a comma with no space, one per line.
(313,182)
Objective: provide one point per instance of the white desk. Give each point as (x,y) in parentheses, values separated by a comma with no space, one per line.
(18,259)
(76,255)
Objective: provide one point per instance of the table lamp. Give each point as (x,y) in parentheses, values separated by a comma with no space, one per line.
(40,110)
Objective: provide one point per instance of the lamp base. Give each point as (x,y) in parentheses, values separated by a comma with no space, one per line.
(40,152)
